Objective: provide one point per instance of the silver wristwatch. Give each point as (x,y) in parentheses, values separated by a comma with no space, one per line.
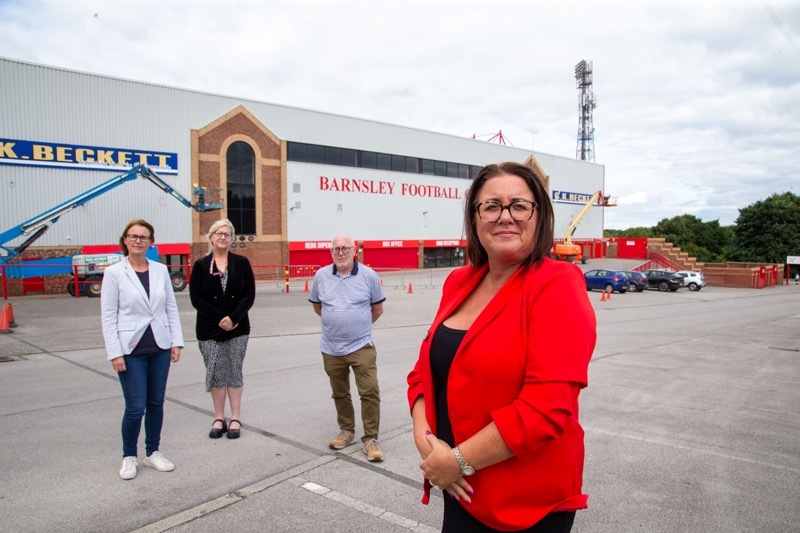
(466,468)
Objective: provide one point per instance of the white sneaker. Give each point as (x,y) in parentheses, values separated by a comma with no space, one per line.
(159,462)
(129,466)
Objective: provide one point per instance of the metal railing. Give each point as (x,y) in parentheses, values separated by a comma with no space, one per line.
(19,279)
(298,278)
(658,262)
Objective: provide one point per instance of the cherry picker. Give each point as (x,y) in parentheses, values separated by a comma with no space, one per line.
(33,229)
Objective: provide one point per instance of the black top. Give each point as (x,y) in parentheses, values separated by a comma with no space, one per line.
(147,344)
(444,346)
(213,303)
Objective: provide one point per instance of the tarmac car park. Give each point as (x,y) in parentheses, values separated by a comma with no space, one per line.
(667,410)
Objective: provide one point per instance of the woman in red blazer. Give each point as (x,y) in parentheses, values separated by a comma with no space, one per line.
(494,393)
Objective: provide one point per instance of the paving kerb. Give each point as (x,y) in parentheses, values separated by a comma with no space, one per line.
(690,431)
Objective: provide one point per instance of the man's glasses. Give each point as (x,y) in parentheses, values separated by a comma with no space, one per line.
(222,234)
(139,238)
(341,249)
(520,210)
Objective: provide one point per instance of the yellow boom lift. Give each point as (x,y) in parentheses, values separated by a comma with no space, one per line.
(572,252)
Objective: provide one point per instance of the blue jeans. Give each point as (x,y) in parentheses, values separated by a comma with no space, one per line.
(144,386)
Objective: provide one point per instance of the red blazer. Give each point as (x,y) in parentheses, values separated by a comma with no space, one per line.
(521,364)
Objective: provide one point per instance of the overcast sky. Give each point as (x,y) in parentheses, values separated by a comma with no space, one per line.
(698,102)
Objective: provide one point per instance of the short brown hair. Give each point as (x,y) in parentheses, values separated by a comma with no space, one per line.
(543,236)
(137,222)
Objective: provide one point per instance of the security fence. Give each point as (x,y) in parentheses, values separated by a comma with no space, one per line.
(19,279)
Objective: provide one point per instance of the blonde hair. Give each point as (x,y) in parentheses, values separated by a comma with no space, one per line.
(215,227)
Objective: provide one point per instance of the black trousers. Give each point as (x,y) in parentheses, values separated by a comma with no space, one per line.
(458,520)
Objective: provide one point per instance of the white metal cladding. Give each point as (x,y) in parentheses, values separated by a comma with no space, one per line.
(47,104)
(582,179)
(400,206)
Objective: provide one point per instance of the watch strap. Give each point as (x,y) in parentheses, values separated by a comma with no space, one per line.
(466,468)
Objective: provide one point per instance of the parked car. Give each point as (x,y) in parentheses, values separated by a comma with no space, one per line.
(663,280)
(606,280)
(638,281)
(694,281)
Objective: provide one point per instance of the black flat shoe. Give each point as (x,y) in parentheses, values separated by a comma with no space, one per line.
(217,433)
(234,433)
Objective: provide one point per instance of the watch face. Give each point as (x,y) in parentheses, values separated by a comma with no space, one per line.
(467,470)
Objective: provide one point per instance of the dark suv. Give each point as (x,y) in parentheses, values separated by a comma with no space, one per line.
(663,280)
(637,280)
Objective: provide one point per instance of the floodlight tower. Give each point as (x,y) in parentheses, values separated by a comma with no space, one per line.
(586,104)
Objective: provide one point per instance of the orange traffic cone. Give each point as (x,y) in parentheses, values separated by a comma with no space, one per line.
(11,321)
(603,297)
(306,288)
(4,327)
(609,294)
(410,290)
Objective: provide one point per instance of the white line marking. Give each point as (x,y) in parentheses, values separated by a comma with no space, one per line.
(358,505)
(219,503)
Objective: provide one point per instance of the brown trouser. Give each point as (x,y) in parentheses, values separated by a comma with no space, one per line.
(365,369)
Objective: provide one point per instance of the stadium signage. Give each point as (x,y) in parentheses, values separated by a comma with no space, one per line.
(369,186)
(572,197)
(47,154)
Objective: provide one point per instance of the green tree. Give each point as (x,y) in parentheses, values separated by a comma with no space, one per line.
(707,241)
(768,230)
(630,232)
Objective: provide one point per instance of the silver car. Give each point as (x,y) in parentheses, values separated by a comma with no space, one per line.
(693,280)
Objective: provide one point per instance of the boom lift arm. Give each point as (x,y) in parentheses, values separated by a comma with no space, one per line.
(38,225)
(571,252)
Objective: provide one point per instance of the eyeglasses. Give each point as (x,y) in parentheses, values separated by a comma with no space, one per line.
(222,234)
(520,210)
(140,238)
(341,249)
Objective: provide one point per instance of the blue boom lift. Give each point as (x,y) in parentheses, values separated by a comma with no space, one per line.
(36,227)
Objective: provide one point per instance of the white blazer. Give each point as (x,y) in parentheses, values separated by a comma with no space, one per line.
(126,311)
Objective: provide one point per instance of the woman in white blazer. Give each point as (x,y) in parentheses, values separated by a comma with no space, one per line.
(142,332)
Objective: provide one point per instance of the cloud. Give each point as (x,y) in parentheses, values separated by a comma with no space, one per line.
(697,101)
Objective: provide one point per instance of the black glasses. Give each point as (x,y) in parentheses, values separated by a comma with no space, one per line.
(221,234)
(341,249)
(520,210)
(140,238)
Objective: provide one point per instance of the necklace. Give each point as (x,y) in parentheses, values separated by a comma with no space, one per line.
(220,271)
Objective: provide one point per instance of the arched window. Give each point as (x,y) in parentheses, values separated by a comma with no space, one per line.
(241,204)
